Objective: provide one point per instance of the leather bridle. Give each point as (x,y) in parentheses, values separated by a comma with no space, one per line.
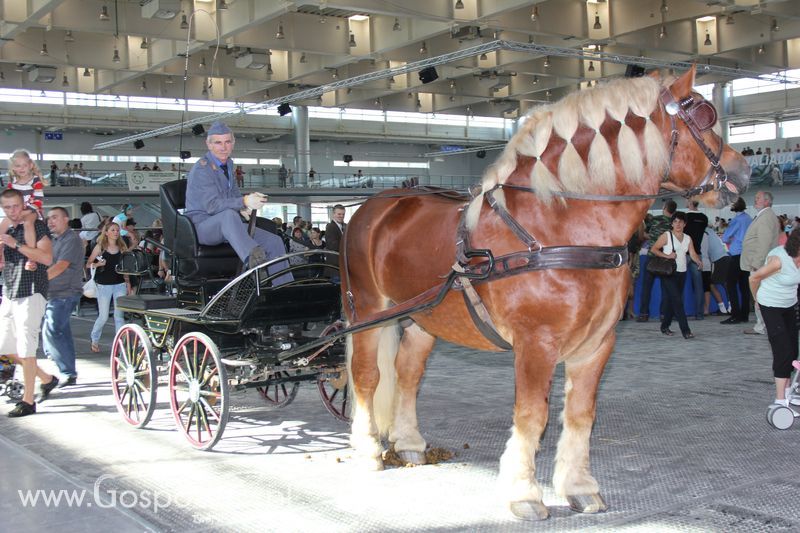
(699,116)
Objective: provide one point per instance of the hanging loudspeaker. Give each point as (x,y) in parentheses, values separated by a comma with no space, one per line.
(138,144)
(348,158)
(198,129)
(428,75)
(481,154)
(634,71)
(284,109)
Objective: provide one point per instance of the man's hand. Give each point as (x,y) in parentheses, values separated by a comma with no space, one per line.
(8,240)
(245,214)
(255,200)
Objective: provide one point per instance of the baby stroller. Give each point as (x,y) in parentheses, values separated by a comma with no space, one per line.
(8,384)
(780,416)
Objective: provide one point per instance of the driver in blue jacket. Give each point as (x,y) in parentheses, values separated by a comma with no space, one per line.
(217,208)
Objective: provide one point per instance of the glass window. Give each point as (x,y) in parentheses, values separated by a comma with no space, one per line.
(752,133)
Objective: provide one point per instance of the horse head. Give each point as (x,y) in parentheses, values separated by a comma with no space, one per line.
(700,161)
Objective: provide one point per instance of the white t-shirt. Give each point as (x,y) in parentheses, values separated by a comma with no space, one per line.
(780,289)
(90,220)
(681,249)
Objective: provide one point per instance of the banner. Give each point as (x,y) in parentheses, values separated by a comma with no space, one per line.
(148,180)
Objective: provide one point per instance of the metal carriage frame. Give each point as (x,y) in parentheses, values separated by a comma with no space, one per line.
(248,334)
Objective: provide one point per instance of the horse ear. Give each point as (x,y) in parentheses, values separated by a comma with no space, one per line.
(683,85)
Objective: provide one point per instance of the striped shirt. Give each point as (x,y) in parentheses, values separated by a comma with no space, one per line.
(33,194)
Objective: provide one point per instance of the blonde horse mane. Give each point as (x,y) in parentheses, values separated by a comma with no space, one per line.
(588,108)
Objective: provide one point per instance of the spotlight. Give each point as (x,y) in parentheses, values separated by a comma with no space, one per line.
(116,58)
(284,109)
(591,66)
(662,31)
(198,129)
(65,81)
(43,51)
(145,45)
(546,62)
(535,80)
(222,4)
(428,75)
(707,42)
(480,154)
(138,144)
(280,34)
(597,24)
(68,38)
(269,69)
(423,49)
(352,40)
(762,49)
(730,20)
(185,154)
(86,72)
(396,26)
(347,158)
(231,83)
(104,14)
(144,86)
(774,26)
(535,14)
(459,4)
(483,57)
(184,22)
(303,58)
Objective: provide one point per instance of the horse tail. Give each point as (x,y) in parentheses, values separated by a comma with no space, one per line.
(383,400)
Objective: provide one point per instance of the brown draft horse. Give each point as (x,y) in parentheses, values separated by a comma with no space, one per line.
(620,139)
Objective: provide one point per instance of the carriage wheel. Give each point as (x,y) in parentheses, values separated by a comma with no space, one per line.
(198,390)
(134,376)
(279,394)
(334,392)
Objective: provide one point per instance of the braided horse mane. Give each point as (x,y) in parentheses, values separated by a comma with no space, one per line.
(589,108)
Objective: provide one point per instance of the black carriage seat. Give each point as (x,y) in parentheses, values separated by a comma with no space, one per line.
(147,302)
(195,262)
(307,302)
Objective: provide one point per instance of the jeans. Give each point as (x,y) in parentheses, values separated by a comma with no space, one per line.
(57,335)
(696,277)
(739,300)
(104,295)
(672,295)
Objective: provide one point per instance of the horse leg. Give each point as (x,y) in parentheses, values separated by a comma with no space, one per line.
(370,356)
(415,347)
(533,377)
(572,478)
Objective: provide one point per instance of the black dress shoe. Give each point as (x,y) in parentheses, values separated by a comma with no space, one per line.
(69,382)
(46,388)
(731,320)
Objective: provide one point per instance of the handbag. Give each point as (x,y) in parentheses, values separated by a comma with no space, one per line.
(662,266)
(90,287)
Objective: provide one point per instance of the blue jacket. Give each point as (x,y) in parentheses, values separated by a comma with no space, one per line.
(734,235)
(209,192)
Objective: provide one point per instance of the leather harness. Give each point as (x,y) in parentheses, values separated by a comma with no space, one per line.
(464,274)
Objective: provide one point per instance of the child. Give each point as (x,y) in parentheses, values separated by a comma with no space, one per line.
(26,177)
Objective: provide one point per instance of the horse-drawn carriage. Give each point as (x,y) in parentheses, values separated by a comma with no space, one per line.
(223,330)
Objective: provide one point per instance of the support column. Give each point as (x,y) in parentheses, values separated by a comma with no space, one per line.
(302,154)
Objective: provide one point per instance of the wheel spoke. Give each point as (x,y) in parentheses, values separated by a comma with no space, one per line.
(183,406)
(187,363)
(208,406)
(209,376)
(181,370)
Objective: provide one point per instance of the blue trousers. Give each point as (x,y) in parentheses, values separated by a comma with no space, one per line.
(227,226)
(57,335)
(104,295)
(696,277)
(672,296)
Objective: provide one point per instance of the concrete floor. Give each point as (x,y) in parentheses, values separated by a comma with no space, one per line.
(681,444)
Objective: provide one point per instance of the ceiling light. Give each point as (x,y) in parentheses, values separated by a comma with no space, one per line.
(358,18)
(546,61)
(762,49)
(391,80)
(43,51)
(597,24)
(483,57)
(104,13)
(2,76)
(221,4)
(202,62)
(708,18)
(116,58)
(269,69)
(535,80)
(548,93)
(730,20)
(352,40)
(707,42)
(452,98)
(423,49)
(303,58)
(396,26)
(774,26)
(68,38)
(377,102)
(664,7)
(145,45)
(42,94)
(169,80)
(65,81)
(452,84)
(231,83)
(204,92)
(591,66)
(86,72)
(459,4)
(335,74)
(143,87)
(184,22)
(535,14)
(662,31)
(280,34)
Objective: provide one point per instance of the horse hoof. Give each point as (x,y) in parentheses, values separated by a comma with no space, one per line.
(415,458)
(587,503)
(529,510)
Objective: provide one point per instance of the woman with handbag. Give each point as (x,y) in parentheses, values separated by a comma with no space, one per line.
(673,246)
(105,257)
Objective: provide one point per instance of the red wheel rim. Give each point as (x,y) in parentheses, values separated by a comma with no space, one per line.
(197,391)
(132,375)
(334,395)
(279,394)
